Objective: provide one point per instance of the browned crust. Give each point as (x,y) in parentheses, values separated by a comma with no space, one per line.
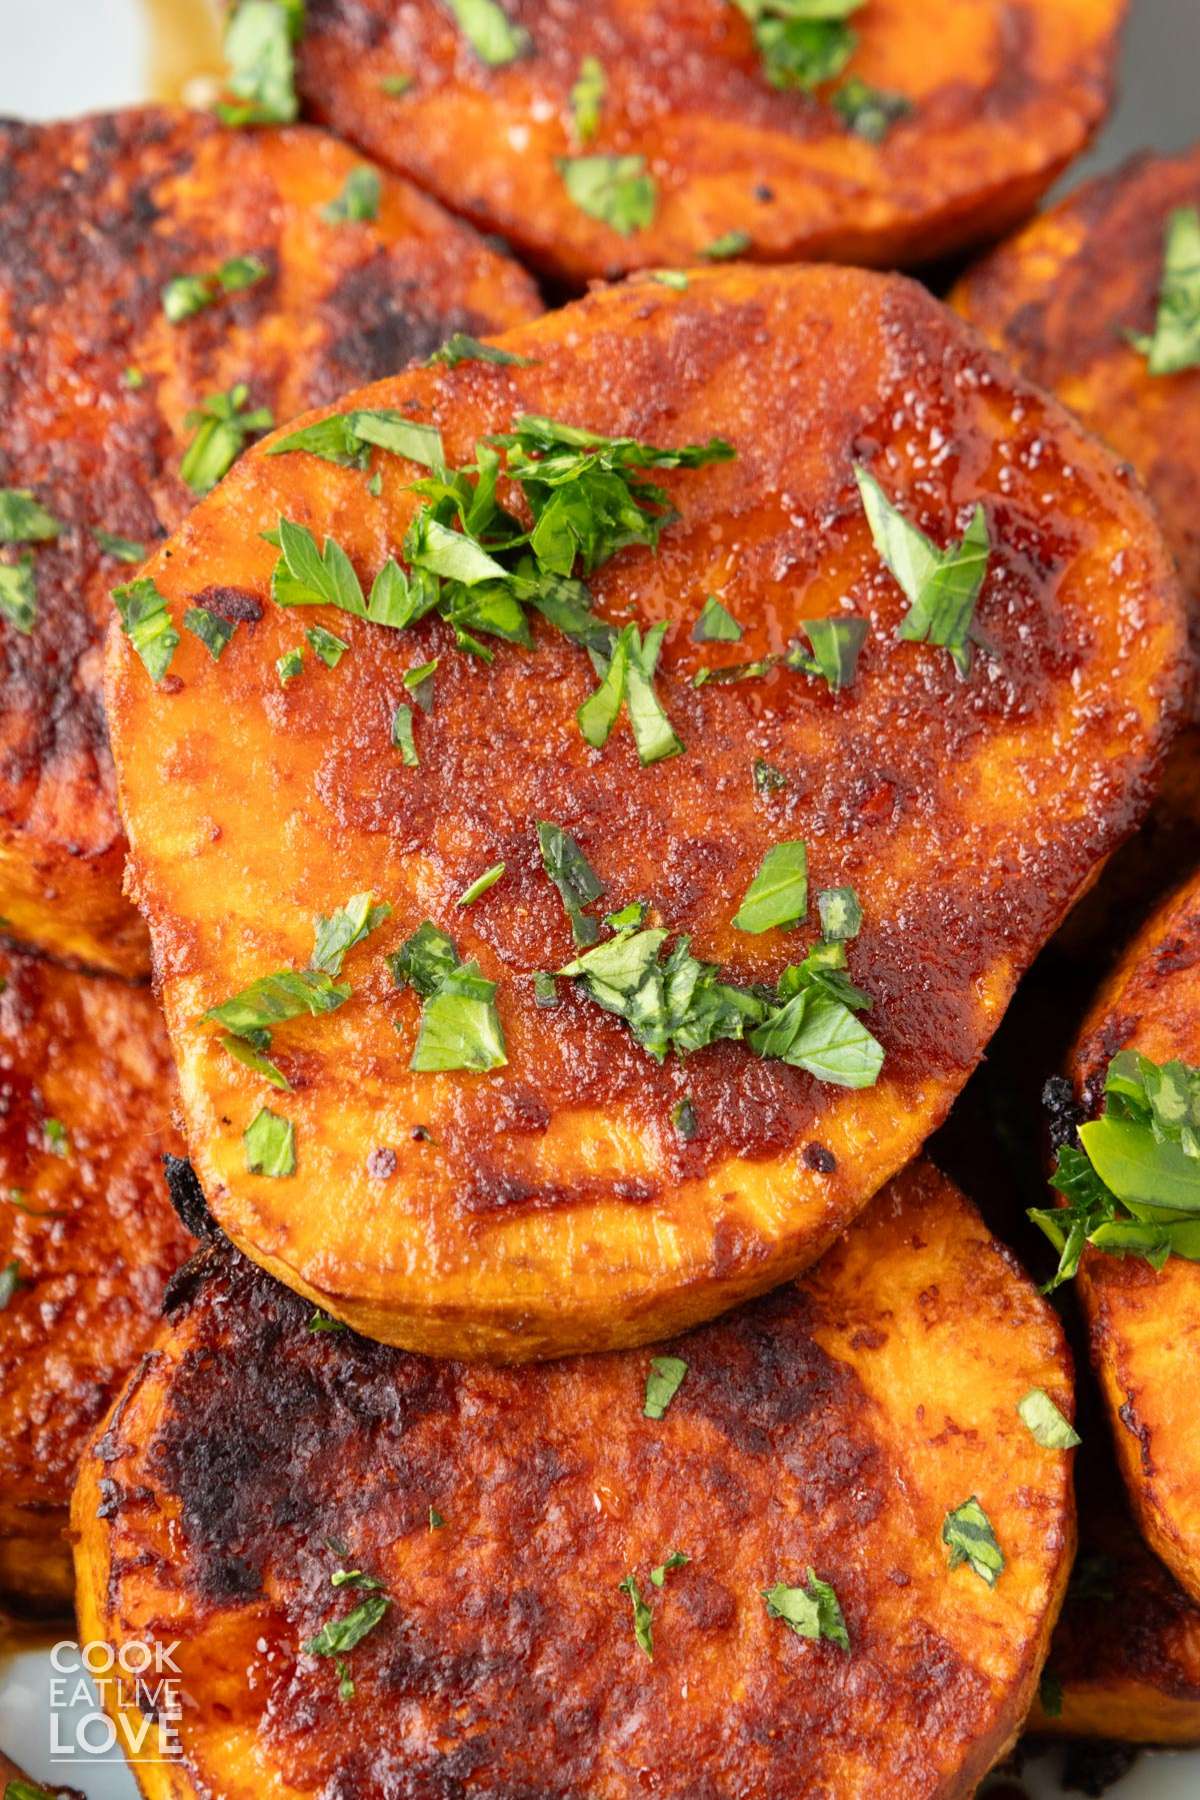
(833,1424)
(96,215)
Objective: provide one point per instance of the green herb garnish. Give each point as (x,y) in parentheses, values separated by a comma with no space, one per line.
(778,895)
(869,112)
(573,876)
(801,43)
(328,647)
(395,84)
(10,1281)
(767,778)
(58,1141)
(348,438)
(1174,343)
(214,632)
(359,198)
(460,1026)
(683,1118)
(662,1384)
(941,586)
(344,928)
(259,53)
(481,884)
(18,594)
(186,295)
(270,1145)
(671,278)
(222,425)
(841,915)
(436,1521)
(402,736)
(147,624)
(126,550)
(321,1321)
(616,190)
(968,1534)
(289,665)
(587,98)
(716,625)
(460,347)
(24,520)
(811,1612)
(419,682)
(676,1560)
(489,31)
(1045,1422)
(643,1622)
(338,1637)
(727,246)
(1132,1188)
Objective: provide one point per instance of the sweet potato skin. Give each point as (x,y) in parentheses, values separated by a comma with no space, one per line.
(1003,95)
(91,1231)
(552,1206)
(1145,1324)
(833,1424)
(96,215)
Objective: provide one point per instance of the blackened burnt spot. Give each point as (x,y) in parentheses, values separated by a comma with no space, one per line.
(187,1197)
(378,323)
(236,605)
(1063,1112)
(817,1157)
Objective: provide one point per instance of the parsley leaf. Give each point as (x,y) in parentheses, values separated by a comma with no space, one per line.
(489,31)
(616,190)
(869,112)
(573,876)
(222,425)
(338,1636)
(1133,1186)
(811,1612)
(186,295)
(359,198)
(327,646)
(1174,343)
(214,632)
(676,1560)
(643,1621)
(587,98)
(126,550)
(767,778)
(841,915)
(10,1281)
(18,594)
(289,665)
(460,347)
(778,895)
(259,53)
(58,1140)
(270,1143)
(716,625)
(274,999)
(347,438)
(402,736)
(436,1521)
(727,246)
(1046,1423)
(671,278)
(23,518)
(481,884)
(662,1384)
(836,644)
(343,929)
(460,1026)
(802,43)
(395,84)
(147,624)
(967,1533)
(941,586)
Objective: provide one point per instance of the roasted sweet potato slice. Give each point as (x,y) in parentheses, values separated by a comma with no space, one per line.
(621,136)
(1124,1660)
(97,217)
(1145,1324)
(87,1237)
(584,1195)
(493,1513)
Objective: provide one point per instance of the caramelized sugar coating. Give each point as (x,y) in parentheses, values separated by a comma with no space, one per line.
(1002,93)
(553,1205)
(832,1425)
(85,1095)
(1145,1323)
(96,216)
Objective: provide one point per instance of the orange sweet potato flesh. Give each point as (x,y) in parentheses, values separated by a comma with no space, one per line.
(832,1425)
(90,1230)
(96,215)
(551,1205)
(1145,1323)
(1003,94)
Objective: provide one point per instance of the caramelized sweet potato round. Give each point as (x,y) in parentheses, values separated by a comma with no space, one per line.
(87,1237)
(1000,94)
(1145,1323)
(96,217)
(554,1204)
(831,1427)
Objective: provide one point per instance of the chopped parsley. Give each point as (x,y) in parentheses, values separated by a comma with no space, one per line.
(24,520)
(348,438)
(270,1144)
(968,1535)
(869,112)
(461,347)
(481,884)
(545,991)
(801,43)
(716,624)
(616,190)
(1132,1187)
(419,682)
(727,246)
(1174,343)
(214,632)
(1045,1422)
(662,1384)
(643,1621)
(132,378)
(321,1321)
(126,550)
(359,198)
(767,778)
(683,1118)
(18,594)
(289,665)
(835,646)
(395,84)
(941,586)
(147,624)
(587,99)
(329,648)
(841,914)
(460,1026)
(356,1578)
(222,426)
(337,1637)
(489,31)
(778,895)
(436,1521)
(259,54)
(29,1790)
(671,278)
(344,928)
(627,678)
(10,1281)
(402,736)
(676,1560)
(811,1612)
(57,1138)
(186,295)
(573,876)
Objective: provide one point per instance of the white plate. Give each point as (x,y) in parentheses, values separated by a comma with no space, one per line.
(65,56)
